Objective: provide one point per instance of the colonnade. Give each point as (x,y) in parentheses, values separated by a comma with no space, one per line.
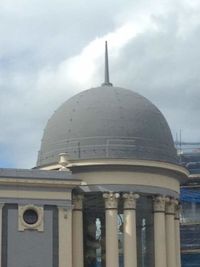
(166,231)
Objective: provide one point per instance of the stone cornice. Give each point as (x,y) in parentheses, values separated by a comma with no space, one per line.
(128,162)
(40,182)
(123,162)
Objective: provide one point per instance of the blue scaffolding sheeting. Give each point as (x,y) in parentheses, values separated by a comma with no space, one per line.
(190,195)
(190,233)
(190,260)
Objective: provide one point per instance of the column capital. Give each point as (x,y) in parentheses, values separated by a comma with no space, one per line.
(130,201)
(111,200)
(170,206)
(78,202)
(159,204)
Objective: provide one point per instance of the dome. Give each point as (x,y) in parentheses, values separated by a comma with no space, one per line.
(107,122)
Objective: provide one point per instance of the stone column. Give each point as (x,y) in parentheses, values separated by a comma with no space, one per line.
(111,205)
(177,234)
(1,208)
(65,236)
(77,231)
(130,242)
(159,232)
(170,232)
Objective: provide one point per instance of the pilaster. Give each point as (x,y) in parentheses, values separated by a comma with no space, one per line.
(77,231)
(65,236)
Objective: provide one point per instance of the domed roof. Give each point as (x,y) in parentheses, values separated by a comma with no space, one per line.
(107,122)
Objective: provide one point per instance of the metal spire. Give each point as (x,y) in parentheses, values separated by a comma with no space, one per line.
(107,81)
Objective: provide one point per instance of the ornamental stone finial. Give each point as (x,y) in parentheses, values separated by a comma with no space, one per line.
(63,161)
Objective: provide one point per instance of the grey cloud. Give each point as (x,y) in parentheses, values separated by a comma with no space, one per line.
(38,37)
(49,30)
(164,67)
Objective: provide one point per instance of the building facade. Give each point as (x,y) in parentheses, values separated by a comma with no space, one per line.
(105,191)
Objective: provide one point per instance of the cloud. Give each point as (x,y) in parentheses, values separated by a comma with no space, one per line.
(165,69)
(52,50)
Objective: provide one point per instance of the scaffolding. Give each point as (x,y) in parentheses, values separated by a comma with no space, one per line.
(189,156)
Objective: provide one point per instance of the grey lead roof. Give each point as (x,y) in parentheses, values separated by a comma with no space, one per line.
(107,122)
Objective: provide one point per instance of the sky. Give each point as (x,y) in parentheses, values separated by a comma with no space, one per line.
(51,50)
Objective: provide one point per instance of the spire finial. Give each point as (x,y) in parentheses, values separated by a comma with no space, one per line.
(107,81)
